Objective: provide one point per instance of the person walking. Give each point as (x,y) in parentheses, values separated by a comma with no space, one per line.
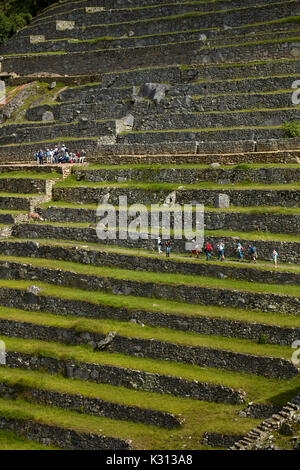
(208,250)
(240,251)
(252,253)
(221,251)
(195,249)
(168,248)
(275,258)
(41,157)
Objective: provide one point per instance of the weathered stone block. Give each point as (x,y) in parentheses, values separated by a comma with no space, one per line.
(222,201)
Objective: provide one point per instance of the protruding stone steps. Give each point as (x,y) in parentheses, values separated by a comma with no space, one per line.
(83,233)
(200,290)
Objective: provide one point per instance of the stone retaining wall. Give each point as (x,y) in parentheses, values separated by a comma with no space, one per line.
(89,405)
(161,55)
(23,185)
(158,25)
(239,221)
(130,378)
(265,366)
(202,325)
(238,197)
(192,175)
(100,257)
(189,74)
(176,292)
(17,298)
(205,136)
(289,251)
(257,435)
(62,437)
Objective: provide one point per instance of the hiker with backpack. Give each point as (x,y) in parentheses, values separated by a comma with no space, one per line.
(221,251)
(208,250)
(252,253)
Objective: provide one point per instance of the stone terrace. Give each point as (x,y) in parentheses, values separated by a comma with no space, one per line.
(181,102)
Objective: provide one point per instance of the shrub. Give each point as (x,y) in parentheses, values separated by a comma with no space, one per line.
(15,14)
(263,339)
(292,129)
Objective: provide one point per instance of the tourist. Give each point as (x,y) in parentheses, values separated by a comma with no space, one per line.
(195,249)
(48,156)
(252,253)
(41,157)
(168,248)
(82,156)
(221,251)
(159,246)
(208,250)
(240,251)
(275,258)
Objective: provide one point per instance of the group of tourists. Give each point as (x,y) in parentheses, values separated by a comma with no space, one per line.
(220,251)
(59,155)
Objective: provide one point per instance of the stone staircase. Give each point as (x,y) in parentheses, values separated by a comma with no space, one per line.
(108,344)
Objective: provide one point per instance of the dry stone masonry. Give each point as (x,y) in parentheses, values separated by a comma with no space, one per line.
(172,103)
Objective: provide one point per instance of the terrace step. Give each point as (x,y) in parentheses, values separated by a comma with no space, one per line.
(59,436)
(69,112)
(230,326)
(202,291)
(170,54)
(190,175)
(209,37)
(145,261)
(118,25)
(89,405)
(243,196)
(156,349)
(124,377)
(85,234)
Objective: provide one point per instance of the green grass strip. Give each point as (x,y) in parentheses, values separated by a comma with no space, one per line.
(257,388)
(131,330)
(174,279)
